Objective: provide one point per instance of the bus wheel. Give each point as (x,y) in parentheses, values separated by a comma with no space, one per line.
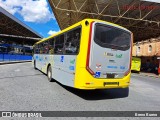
(35,65)
(49,74)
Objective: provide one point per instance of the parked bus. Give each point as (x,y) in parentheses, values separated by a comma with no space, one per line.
(91,54)
(136,64)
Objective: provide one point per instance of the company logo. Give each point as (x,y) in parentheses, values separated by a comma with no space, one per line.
(119,56)
(122,67)
(6,114)
(22,114)
(36,57)
(108,54)
(112,61)
(71,67)
(112,67)
(40,59)
(72,61)
(62,59)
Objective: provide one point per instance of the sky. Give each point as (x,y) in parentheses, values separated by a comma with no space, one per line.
(36,14)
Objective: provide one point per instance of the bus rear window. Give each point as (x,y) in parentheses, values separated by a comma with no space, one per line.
(112,37)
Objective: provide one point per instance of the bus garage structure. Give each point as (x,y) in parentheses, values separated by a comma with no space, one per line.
(15,30)
(140,16)
(15,33)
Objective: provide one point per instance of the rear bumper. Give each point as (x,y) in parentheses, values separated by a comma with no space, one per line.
(86,81)
(136,69)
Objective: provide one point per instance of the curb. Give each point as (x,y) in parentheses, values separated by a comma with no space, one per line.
(154,76)
(150,75)
(13,62)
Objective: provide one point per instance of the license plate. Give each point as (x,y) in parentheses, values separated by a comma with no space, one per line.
(111,83)
(110,75)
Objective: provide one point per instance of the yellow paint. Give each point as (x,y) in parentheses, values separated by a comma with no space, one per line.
(83,77)
(136,64)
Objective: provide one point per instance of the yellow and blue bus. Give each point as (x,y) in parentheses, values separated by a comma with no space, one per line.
(91,54)
(136,64)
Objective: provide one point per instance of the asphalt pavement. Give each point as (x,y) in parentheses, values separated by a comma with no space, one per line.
(24,89)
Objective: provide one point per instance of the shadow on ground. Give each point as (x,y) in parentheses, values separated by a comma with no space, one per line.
(98,94)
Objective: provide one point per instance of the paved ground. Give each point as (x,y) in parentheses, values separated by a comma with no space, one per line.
(24,89)
(147,74)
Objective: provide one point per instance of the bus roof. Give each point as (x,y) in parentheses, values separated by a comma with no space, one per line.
(79,23)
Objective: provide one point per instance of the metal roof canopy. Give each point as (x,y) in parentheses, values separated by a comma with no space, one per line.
(141,17)
(19,40)
(12,27)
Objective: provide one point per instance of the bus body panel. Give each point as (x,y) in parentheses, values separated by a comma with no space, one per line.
(107,61)
(63,68)
(76,75)
(84,80)
(136,64)
(106,64)
(42,61)
(82,55)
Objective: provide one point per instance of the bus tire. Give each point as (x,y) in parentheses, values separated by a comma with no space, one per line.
(35,65)
(49,73)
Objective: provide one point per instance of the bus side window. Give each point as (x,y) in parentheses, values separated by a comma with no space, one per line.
(33,50)
(59,44)
(37,49)
(51,46)
(72,41)
(41,48)
(45,47)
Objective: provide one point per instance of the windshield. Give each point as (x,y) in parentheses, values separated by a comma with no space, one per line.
(112,37)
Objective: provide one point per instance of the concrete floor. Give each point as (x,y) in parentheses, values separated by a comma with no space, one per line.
(24,89)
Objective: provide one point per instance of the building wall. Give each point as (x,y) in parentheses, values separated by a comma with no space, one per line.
(147,55)
(142,48)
